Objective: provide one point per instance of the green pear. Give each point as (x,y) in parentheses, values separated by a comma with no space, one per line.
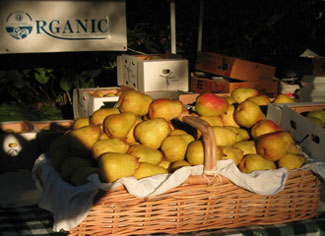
(247,146)
(224,136)
(83,139)
(242,93)
(119,125)
(261,100)
(109,145)
(177,165)
(292,161)
(320,114)
(152,132)
(72,163)
(113,166)
(130,136)
(135,102)
(146,154)
(248,113)
(98,117)
(232,152)
(165,108)
(146,169)
(242,134)
(254,162)
(273,146)
(229,99)
(79,176)
(228,118)
(195,153)
(174,147)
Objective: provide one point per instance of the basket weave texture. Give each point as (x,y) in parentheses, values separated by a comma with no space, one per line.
(201,203)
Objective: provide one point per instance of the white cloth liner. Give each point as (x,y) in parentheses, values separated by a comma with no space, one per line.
(70,205)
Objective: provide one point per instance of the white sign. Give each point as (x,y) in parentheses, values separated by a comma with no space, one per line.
(59,26)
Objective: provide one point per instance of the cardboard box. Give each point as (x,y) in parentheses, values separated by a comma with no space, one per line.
(319,66)
(235,68)
(22,142)
(156,74)
(221,85)
(307,134)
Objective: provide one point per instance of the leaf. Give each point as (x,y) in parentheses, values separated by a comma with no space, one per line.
(65,85)
(41,76)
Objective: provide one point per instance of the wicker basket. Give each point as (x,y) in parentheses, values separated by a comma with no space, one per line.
(201,203)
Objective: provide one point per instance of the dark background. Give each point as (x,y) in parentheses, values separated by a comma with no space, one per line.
(274,32)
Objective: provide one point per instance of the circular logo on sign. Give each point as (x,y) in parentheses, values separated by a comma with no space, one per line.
(19,24)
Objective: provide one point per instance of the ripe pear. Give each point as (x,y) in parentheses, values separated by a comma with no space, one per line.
(119,125)
(254,162)
(283,98)
(165,108)
(146,169)
(263,127)
(210,104)
(228,118)
(109,145)
(247,146)
(273,146)
(224,136)
(292,161)
(177,165)
(174,147)
(113,166)
(83,139)
(135,102)
(81,122)
(152,132)
(241,94)
(72,163)
(98,117)
(248,113)
(146,154)
(195,153)
(261,100)
(242,134)
(130,137)
(80,175)
(320,114)
(232,152)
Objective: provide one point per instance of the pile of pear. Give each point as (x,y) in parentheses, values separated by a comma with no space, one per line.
(141,137)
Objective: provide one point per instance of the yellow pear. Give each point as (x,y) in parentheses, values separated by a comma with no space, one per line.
(177,132)
(254,162)
(98,93)
(98,117)
(229,99)
(146,154)
(320,114)
(130,136)
(135,102)
(83,139)
(261,100)
(109,145)
(103,135)
(242,93)
(273,146)
(247,146)
(178,164)
(292,161)
(80,122)
(231,152)
(248,113)
(263,127)
(316,120)
(210,104)
(242,134)
(80,175)
(152,132)
(174,147)
(212,121)
(283,98)
(228,118)
(148,169)
(72,163)
(119,125)
(195,153)
(164,164)
(224,136)
(165,108)
(113,166)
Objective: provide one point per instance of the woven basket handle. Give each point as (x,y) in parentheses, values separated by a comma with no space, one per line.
(211,152)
